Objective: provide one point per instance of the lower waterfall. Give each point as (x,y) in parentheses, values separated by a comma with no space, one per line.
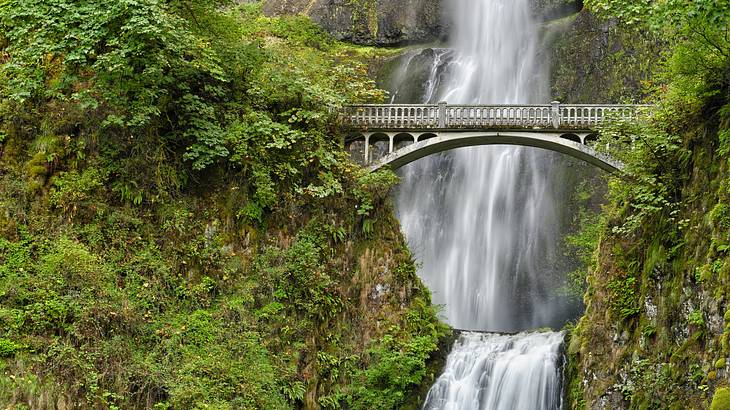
(500,372)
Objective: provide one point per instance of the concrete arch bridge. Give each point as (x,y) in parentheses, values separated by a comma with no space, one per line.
(395,135)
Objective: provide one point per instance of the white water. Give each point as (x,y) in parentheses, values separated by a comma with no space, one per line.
(498,372)
(483,223)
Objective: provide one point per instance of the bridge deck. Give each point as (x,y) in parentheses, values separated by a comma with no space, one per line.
(444,116)
(394,135)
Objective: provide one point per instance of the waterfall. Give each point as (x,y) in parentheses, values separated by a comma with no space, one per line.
(483,221)
(498,372)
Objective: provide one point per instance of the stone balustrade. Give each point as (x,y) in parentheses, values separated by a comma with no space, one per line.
(444,116)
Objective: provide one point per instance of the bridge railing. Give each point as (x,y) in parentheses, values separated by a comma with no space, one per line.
(448,116)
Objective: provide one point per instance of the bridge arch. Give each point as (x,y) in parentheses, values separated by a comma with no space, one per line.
(572,137)
(592,137)
(402,140)
(426,135)
(395,135)
(446,141)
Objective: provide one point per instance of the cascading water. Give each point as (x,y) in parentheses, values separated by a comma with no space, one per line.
(495,372)
(483,223)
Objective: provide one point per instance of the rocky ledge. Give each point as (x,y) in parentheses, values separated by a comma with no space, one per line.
(393,22)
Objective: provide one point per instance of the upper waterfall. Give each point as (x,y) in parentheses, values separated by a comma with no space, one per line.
(482,221)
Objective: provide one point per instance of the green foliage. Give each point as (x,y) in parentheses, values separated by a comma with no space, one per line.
(371,191)
(299,279)
(8,347)
(666,243)
(398,367)
(696,318)
(72,190)
(179,223)
(373,186)
(663,15)
(584,243)
(623,297)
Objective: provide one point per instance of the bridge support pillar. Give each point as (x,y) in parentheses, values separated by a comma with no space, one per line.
(391,143)
(367,149)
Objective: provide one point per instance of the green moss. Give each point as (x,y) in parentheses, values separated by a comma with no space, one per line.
(721,399)
(720,363)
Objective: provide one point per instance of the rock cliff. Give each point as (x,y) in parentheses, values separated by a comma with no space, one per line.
(393,22)
(373,22)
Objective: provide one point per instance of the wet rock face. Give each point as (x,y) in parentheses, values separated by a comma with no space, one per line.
(394,22)
(598,61)
(408,76)
(554,9)
(371,22)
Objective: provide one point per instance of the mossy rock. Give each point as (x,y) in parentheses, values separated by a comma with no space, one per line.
(721,399)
